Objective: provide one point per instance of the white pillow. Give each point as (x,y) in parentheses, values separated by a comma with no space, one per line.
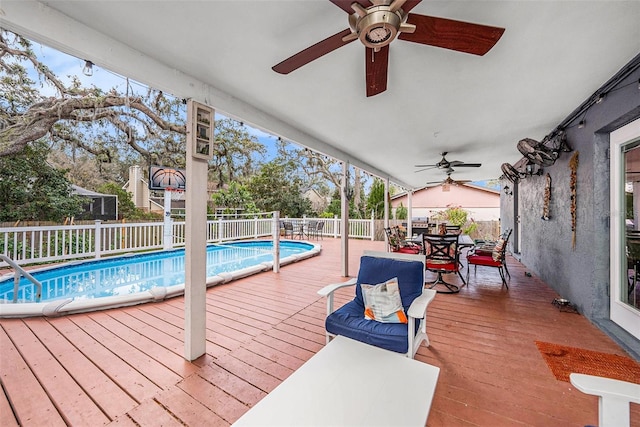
(382,302)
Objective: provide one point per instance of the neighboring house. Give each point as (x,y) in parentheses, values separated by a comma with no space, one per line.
(318,202)
(483,204)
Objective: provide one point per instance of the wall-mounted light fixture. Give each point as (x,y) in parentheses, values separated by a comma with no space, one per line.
(582,124)
(507,190)
(87,70)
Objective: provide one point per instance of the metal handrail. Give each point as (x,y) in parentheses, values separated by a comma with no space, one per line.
(19,271)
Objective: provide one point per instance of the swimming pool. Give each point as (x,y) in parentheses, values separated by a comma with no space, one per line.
(134,279)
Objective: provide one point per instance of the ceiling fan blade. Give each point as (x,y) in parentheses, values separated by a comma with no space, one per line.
(459,164)
(346,4)
(376,64)
(312,53)
(423,169)
(450,34)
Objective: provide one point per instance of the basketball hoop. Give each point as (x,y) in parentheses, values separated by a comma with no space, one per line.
(176,193)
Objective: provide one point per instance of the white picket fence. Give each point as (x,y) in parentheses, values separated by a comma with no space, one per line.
(40,244)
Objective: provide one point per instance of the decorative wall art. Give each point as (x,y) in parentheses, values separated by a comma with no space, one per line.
(547,199)
(573,165)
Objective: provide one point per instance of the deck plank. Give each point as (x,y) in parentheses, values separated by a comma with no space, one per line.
(30,401)
(157,373)
(7,417)
(111,399)
(135,383)
(76,407)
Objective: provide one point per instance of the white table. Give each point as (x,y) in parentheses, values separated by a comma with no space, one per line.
(349,383)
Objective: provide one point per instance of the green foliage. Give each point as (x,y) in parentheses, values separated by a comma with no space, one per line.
(375,200)
(456,215)
(276,188)
(233,153)
(334,207)
(401,212)
(235,196)
(32,190)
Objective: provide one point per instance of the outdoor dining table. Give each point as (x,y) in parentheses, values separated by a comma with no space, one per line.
(300,229)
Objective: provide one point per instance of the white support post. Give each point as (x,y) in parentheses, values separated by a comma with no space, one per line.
(409,214)
(276,241)
(344,208)
(255,227)
(195,288)
(373,226)
(167,235)
(386,203)
(97,239)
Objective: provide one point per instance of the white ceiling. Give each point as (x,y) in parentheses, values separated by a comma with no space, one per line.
(552,57)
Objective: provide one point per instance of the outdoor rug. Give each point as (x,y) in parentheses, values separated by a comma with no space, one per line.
(563,360)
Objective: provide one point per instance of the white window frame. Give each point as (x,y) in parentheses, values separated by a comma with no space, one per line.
(621,313)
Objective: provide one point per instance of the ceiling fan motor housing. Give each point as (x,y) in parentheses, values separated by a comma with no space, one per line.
(378,27)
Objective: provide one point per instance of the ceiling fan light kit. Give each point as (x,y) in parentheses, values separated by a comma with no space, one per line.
(377,23)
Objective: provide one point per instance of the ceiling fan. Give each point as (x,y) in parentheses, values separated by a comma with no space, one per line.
(446,165)
(376,23)
(449,181)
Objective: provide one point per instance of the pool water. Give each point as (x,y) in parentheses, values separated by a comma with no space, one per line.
(133,274)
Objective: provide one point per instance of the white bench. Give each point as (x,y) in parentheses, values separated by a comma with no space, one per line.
(614,397)
(350,383)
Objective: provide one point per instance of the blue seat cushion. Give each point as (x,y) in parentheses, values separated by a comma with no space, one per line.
(349,321)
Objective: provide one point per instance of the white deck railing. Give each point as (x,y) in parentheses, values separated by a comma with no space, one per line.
(39,244)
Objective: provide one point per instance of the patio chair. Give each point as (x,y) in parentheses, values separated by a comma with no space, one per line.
(315,230)
(443,257)
(309,227)
(496,258)
(453,229)
(288,229)
(614,397)
(387,330)
(397,242)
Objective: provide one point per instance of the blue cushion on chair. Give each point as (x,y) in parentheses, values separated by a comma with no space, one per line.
(410,276)
(349,321)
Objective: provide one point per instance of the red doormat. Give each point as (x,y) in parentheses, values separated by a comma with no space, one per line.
(563,360)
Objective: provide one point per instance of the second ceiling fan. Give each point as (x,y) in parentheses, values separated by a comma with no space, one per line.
(377,23)
(447,165)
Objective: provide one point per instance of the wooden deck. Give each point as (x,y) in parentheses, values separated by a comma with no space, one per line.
(126,366)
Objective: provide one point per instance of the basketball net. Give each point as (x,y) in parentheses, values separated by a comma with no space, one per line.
(176,194)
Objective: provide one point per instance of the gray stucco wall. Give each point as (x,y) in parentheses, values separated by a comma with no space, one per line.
(582,274)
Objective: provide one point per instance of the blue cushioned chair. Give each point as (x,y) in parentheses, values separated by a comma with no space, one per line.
(378,267)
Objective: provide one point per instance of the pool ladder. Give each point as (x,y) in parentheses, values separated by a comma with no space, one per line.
(19,271)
